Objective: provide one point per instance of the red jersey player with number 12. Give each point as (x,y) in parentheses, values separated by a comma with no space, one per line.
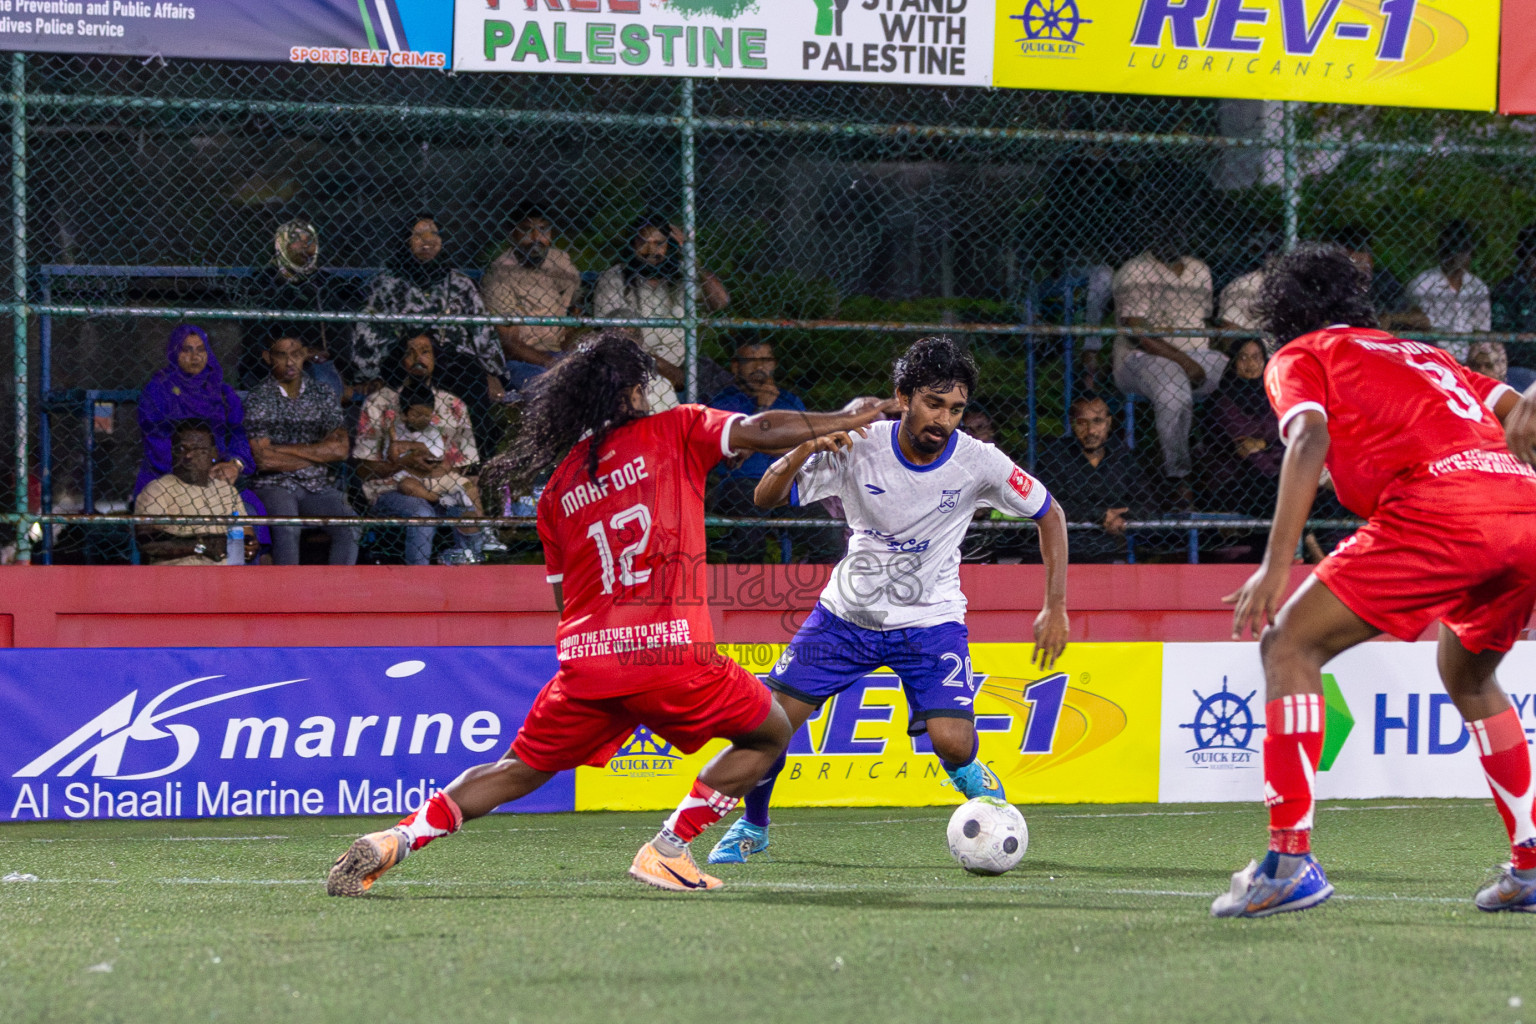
(1415,444)
(622,522)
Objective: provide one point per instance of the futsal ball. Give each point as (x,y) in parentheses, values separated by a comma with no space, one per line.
(987,836)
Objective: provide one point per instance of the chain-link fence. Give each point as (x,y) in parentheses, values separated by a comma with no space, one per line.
(769,243)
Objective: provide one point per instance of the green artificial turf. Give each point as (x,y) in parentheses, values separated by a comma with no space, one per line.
(859,916)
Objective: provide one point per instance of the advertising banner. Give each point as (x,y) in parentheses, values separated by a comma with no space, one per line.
(145,734)
(1389,728)
(1416,53)
(374,33)
(1517,61)
(931,42)
(1086,732)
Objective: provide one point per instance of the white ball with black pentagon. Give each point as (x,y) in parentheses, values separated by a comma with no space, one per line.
(987,836)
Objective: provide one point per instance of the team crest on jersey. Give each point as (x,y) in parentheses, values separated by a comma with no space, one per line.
(1021,483)
(949,500)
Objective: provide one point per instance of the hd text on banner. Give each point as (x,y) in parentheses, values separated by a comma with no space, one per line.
(372,33)
(1416,53)
(1389,729)
(1085,732)
(933,42)
(147,734)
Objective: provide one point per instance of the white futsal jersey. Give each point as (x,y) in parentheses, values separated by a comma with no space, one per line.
(902,569)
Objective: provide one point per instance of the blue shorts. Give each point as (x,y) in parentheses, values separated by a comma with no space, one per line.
(828,655)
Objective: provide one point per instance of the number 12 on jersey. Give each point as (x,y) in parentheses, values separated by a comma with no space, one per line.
(623,568)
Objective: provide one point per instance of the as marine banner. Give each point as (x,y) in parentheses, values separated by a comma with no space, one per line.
(371,33)
(1416,53)
(932,42)
(243,732)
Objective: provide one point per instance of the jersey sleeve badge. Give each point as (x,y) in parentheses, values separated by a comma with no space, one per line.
(1021,482)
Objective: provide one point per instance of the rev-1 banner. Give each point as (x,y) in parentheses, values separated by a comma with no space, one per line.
(374,33)
(88,734)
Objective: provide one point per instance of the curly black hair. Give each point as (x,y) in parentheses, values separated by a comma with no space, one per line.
(588,391)
(936,363)
(1311,287)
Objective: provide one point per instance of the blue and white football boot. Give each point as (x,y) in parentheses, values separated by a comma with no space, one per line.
(976,779)
(1508,892)
(740,841)
(1257,894)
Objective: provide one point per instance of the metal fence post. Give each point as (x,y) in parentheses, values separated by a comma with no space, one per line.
(690,247)
(1290,187)
(19,285)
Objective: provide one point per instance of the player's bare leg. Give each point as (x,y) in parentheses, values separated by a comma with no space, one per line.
(1499,736)
(1311,629)
(958,749)
(665,861)
(749,833)
(476,793)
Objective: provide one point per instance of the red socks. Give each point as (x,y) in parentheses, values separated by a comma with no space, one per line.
(1506,758)
(701,808)
(1293,744)
(439,816)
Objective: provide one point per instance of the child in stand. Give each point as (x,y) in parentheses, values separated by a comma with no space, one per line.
(442,486)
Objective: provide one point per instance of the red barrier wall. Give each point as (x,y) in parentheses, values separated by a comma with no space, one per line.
(380,606)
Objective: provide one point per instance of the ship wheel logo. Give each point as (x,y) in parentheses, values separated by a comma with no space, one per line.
(1224,720)
(1050,20)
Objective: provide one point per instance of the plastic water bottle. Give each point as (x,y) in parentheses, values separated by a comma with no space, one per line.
(234,544)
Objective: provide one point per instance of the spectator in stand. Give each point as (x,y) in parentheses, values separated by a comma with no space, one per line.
(294,282)
(1514,299)
(415,451)
(295,426)
(1242,452)
(190,489)
(1491,359)
(1096,479)
(1160,289)
(650,283)
(1455,300)
(532,278)
(191,387)
(978,424)
(1393,305)
(1235,309)
(419,280)
(753,391)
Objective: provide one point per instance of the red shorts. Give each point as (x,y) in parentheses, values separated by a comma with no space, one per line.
(1403,570)
(563,731)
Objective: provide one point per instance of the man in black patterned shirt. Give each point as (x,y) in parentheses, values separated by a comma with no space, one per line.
(296,432)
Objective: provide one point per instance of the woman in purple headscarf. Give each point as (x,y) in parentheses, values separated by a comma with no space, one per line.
(191,386)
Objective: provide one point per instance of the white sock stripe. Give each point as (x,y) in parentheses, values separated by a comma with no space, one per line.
(1479,731)
(1290,715)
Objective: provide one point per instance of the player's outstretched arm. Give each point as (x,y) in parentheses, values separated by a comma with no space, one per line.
(774,488)
(1051,624)
(1259,599)
(779,430)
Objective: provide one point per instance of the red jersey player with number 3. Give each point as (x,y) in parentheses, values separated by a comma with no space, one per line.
(622,522)
(1414,443)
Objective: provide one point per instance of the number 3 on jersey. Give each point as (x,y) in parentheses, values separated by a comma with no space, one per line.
(1461,402)
(626,573)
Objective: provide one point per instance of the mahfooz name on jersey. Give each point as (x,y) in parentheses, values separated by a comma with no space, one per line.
(585,493)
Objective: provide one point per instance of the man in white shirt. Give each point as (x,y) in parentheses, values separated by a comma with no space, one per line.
(909,489)
(1455,300)
(1158,290)
(649,284)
